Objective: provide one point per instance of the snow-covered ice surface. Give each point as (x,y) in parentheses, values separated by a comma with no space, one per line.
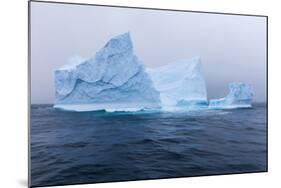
(181,84)
(113,79)
(240,96)
(73,63)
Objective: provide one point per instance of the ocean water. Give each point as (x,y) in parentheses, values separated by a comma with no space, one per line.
(92,147)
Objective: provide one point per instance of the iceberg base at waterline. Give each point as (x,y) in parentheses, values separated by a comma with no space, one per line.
(124,107)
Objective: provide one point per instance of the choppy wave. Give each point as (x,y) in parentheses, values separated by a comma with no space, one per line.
(91,147)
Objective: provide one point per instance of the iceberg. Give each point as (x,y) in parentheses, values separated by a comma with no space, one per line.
(180,83)
(240,96)
(113,80)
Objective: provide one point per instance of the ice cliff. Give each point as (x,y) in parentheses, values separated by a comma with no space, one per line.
(114,79)
(180,83)
(240,96)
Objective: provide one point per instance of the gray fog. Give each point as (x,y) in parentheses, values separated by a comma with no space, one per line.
(232,48)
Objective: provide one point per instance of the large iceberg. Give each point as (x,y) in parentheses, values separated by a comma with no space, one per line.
(240,96)
(180,83)
(114,79)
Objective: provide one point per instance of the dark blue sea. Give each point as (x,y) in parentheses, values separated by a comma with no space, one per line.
(92,147)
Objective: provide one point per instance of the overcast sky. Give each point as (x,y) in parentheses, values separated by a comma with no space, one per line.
(232,48)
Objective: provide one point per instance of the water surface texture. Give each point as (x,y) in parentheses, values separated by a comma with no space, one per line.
(91,147)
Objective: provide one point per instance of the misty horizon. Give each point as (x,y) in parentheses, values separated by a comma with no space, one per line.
(232,48)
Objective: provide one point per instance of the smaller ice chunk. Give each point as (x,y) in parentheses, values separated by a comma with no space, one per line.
(240,96)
